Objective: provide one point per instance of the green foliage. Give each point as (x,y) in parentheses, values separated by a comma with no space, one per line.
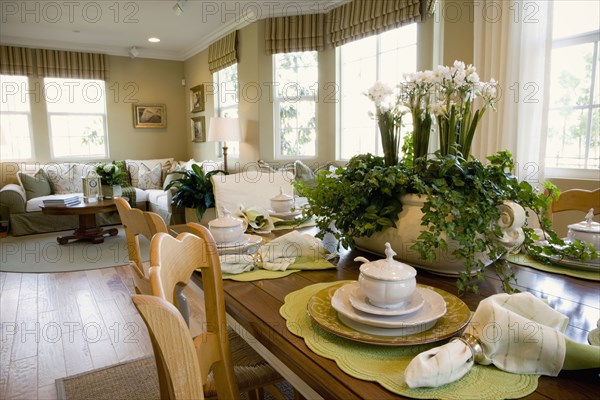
(194,189)
(462,205)
(110,173)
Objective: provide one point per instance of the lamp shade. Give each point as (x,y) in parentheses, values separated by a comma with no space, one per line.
(223,130)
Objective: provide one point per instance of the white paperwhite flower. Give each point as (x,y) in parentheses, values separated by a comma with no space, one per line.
(108,167)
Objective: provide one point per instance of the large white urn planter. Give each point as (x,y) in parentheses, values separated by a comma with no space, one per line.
(408,228)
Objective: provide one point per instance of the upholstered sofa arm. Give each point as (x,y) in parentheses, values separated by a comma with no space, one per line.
(13,197)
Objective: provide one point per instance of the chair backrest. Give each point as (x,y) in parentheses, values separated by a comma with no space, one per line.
(176,358)
(137,222)
(577,199)
(173,261)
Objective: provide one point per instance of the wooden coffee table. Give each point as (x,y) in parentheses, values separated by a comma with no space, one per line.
(88,230)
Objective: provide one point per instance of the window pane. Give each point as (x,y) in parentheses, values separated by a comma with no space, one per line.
(77,135)
(297,78)
(74,95)
(297,128)
(571,75)
(385,57)
(227,99)
(567,138)
(15,115)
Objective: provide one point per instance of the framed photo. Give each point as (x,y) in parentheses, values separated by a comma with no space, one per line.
(198,129)
(197,98)
(149,116)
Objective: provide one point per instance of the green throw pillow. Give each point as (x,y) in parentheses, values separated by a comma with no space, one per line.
(35,186)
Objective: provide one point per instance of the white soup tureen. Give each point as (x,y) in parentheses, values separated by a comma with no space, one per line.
(387,283)
(587,231)
(226,229)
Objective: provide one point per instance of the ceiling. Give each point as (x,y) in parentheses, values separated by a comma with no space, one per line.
(114,27)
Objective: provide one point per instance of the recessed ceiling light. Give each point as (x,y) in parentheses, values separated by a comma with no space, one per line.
(154,39)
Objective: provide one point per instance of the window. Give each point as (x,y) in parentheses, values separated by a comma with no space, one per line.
(15,119)
(384,57)
(227,99)
(296,85)
(573,140)
(76,118)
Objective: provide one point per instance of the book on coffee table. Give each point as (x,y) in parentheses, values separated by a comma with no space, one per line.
(67,201)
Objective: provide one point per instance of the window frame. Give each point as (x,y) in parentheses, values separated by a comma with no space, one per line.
(314,97)
(28,114)
(103,116)
(592,37)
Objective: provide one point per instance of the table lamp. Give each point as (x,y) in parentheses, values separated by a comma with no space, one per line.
(223,130)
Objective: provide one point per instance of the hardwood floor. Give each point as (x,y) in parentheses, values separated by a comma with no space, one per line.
(61,324)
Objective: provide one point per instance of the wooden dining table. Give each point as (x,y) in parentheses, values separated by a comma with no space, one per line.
(253,310)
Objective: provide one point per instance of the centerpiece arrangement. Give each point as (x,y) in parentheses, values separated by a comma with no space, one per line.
(469,211)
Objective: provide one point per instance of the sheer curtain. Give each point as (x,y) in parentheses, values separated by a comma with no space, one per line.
(513,43)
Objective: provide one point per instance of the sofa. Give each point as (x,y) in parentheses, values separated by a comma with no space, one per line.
(27,185)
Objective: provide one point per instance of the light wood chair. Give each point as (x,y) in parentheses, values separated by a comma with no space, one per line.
(233,365)
(577,199)
(176,358)
(144,223)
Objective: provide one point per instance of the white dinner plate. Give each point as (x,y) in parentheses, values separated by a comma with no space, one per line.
(432,310)
(245,242)
(286,215)
(361,302)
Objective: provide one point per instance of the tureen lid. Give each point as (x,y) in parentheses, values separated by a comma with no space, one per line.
(226,221)
(282,196)
(588,225)
(387,268)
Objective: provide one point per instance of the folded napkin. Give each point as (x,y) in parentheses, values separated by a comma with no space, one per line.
(278,254)
(518,333)
(256,219)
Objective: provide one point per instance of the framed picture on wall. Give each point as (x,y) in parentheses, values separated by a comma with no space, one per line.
(197,98)
(198,129)
(149,116)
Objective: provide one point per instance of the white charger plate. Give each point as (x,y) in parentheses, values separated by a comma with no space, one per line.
(245,242)
(432,310)
(361,302)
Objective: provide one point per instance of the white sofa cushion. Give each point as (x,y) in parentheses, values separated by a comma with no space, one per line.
(158,197)
(133,166)
(140,195)
(249,189)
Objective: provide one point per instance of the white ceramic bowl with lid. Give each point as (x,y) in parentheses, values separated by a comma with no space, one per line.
(282,203)
(387,283)
(226,229)
(587,231)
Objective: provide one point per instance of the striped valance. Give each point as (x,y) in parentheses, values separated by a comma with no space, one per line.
(16,61)
(295,33)
(362,18)
(71,64)
(223,53)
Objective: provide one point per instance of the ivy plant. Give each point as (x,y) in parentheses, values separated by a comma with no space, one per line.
(462,205)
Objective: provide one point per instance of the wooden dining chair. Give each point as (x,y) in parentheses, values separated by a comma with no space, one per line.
(144,223)
(578,200)
(233,365)
(177,362)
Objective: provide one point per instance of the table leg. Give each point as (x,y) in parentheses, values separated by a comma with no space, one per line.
(88,231)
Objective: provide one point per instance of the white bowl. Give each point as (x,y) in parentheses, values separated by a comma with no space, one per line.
(226,229)
(282,203)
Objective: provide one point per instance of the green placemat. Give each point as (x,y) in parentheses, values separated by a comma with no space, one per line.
(301,264)
(386,364)
(522,259)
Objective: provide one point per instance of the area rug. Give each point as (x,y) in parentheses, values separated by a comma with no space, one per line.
(131,380)
(42,253)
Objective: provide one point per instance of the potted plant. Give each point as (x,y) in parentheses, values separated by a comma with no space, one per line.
(111,177)
(194,190)
(461,203)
